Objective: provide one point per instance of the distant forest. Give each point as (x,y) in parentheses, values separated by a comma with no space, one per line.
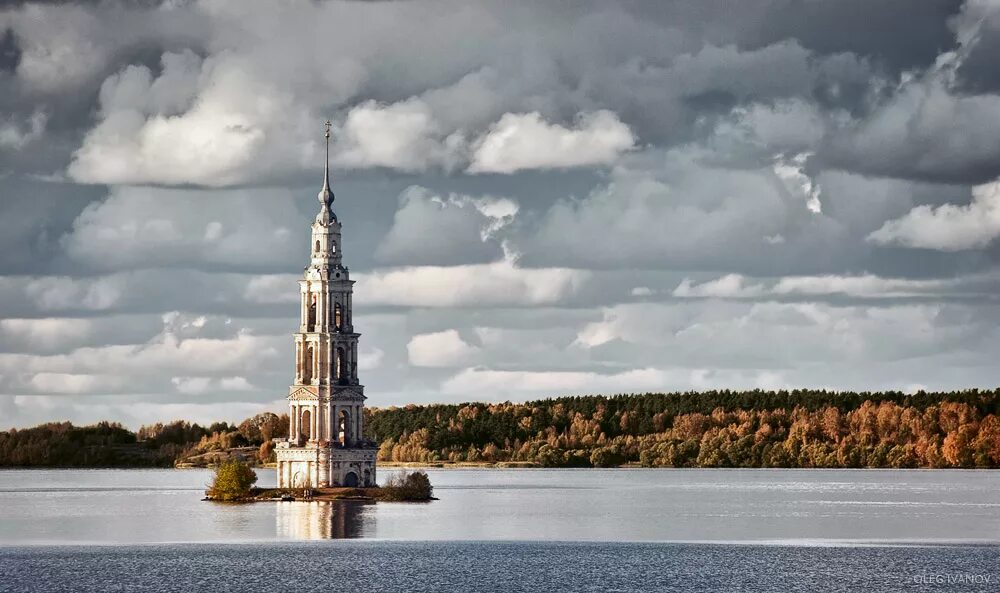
(705,429)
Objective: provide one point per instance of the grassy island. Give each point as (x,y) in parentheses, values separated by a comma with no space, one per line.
(234,482)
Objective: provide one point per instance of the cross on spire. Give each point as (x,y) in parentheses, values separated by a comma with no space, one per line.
(325,195)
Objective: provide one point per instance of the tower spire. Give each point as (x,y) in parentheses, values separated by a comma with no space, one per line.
(326,195)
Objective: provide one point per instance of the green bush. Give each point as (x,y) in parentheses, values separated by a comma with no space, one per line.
(408,486)
(233,480)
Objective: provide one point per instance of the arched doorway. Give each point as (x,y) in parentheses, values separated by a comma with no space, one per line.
(298,480)
(351,480)
(305,424)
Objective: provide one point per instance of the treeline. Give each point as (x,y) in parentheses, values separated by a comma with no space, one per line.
(709,429)
(109,444)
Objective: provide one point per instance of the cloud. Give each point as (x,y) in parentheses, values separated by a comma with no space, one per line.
(43,334)
(736,286)
(501,384)
(866,285)
(792,172)
(402,136)
(203,385)
(678,210)
(75,384)
(16,135)
(809,343)
(440,349)
(432,229)
(947,227)
(476,380)
(728,286)
(370,359)
(62,293)
(589,197)
(153,227)
(525,141)
(500,283)
(210,141)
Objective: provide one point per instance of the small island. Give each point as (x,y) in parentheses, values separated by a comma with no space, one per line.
(234,482)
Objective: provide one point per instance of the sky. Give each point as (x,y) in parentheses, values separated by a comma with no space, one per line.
(538,199)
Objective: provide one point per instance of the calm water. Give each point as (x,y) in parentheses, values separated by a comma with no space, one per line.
(541,530)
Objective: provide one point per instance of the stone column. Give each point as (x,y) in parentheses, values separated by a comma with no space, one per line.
(315,363)
(358,425)
(325,306)
(313,421)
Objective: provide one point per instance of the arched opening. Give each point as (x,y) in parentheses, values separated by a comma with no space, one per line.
(305,425)
(317,246)
(312,314)
(340,370)
(298,480)
(336,316)
(333,247)
(351,480)
(344,428)
(307,365)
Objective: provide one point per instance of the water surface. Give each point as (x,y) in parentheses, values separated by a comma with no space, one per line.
(799,507)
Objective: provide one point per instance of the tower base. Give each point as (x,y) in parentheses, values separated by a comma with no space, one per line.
(315,466)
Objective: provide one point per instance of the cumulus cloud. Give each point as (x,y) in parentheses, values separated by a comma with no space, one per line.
(440,349)
(402,136)
(792,172)
(948,227)
(500,283)
(524,141)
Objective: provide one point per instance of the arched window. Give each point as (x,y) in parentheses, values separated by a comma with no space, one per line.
(344,428)
(307,366)
(312,314)
(317,246)
(340,363)
(333,247)
(336,316)
(305,424)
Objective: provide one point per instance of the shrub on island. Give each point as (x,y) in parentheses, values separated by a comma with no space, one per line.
(407,486)
(233,481)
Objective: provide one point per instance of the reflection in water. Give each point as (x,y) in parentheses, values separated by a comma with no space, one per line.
(322,520)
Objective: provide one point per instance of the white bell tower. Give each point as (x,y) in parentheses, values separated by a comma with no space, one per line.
(325,445)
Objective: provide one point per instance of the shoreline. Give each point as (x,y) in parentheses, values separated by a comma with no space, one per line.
(465,465)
